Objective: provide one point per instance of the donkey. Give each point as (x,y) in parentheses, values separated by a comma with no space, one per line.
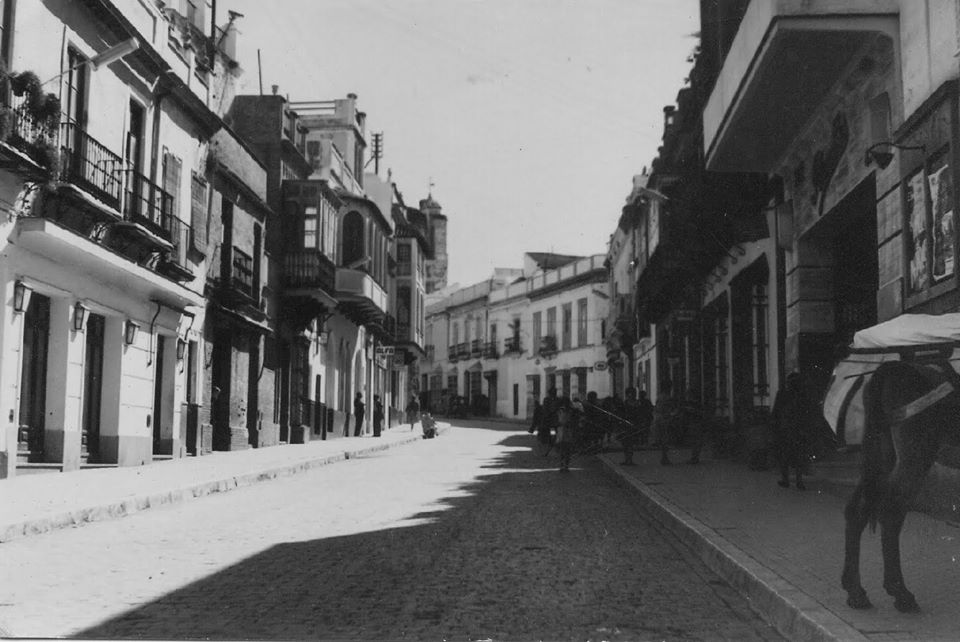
(911,412)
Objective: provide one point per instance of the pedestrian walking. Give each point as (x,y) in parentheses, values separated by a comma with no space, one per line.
(567,419)
(666,416)
(413,411)
(548,421)
(377,416)
(792,417)
(537,417)
(359,408)
(638,414)
(691,425)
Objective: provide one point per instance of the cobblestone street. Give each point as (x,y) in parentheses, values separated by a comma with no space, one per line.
(466,537)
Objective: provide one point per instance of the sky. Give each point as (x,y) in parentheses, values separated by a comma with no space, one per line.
(529,117)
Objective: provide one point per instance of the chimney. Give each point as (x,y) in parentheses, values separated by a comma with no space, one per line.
(274,89)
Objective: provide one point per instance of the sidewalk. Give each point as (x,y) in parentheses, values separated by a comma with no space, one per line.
(32,504)
(783,548)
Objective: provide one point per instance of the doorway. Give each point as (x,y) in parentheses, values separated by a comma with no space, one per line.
(33,379)
(158,395)
(253,394)
(92,389)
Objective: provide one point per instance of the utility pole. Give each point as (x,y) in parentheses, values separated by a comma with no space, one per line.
(377,152)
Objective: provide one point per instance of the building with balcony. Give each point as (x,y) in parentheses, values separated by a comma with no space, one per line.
(504,342)
(238,401)
(412,252)
(103,255)
(851,109)
(331,260)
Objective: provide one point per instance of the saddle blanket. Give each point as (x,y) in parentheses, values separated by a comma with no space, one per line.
(907,337)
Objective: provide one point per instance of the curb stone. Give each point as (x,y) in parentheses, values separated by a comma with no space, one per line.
(131,505)
(794,613)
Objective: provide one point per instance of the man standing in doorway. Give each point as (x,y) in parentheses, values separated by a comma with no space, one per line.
(358,412)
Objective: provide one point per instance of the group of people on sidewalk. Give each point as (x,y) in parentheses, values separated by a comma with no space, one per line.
(589,426)
(412,412)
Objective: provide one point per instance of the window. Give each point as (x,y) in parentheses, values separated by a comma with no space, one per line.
(353,238)
(75,90)
(721,363)
(329,240)
(761,387)
(536,331)
(403,259)
(452,383)
(566,327)
(552,323)
(455,332)
(310,228)
(171,181)
(198,210)
(582,322)
(6,36)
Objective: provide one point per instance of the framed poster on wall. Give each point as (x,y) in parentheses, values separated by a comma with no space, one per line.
(928,198)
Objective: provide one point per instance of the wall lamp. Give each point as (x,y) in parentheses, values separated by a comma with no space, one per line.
(79,316)
(883,159)
(21,296)
(130,330)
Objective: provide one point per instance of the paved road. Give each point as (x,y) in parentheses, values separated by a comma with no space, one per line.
(466,537)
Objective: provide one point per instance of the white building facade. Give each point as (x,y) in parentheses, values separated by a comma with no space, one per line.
(502,343)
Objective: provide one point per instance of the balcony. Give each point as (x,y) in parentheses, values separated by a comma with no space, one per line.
(89,165)
(359,295)
(305,270)
(463,350)
(785,59)
(476,348)
(548,345)
(452,353)
(241,274)
(490,350)
(512,345)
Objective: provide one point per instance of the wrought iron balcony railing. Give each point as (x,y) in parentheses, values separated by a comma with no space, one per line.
(90,165)
(241,275)
(511,344)
(148,204)
(490,350)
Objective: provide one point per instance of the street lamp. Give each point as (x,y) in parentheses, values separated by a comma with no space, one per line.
(883,159)
(79,316)
(21,296)
(130,330)
(105,57)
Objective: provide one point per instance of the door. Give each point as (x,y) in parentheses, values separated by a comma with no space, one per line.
(92,389)
(516,399)
(133,163)
(253,394)
(220,393)
(33,378)
(158,394)
(533,393)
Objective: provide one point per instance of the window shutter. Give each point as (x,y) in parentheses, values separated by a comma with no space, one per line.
(171,181)
(198,211)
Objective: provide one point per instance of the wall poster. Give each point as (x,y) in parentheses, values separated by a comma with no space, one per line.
(941,205)
(917,246)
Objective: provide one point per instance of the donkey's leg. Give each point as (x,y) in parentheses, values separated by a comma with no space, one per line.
(892,515)
(856,520)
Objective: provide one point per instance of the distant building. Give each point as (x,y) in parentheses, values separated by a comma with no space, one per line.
(504,342)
